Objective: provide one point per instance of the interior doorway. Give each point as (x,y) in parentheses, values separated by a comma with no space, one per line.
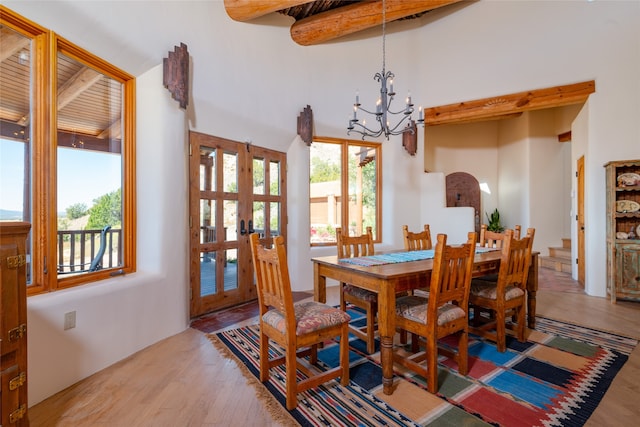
(235,189)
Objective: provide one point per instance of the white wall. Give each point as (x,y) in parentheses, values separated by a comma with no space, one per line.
(119,316)
(250,81)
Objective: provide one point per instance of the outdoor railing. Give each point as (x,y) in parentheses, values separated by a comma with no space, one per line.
(78,248)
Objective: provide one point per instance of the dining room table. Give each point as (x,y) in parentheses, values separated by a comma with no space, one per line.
(398,272)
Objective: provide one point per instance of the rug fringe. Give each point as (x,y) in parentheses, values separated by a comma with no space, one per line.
(279,413)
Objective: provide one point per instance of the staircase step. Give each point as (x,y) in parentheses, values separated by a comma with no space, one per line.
(566,242)
(556,263)
(560,253)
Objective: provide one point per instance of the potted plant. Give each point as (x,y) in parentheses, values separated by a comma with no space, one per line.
(494,222)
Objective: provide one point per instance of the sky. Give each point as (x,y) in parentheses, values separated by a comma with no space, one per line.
(83,175)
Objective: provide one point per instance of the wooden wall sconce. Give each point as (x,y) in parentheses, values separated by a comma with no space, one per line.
(410,139)
(176,74)
(305,125)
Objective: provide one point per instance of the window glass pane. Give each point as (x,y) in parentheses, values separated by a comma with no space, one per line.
(231,220)
(207,169)
(258,176)
(15,131)
(230,179)
(89,167)
(208,218)
(258,217)
(207,273)
(274,178)
(231,270)
(274,219)
(362,189)
(325,191)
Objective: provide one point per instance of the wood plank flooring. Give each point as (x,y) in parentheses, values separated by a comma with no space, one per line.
(184,381)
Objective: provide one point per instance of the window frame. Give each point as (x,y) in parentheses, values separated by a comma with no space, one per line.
(44,141)
(344,181)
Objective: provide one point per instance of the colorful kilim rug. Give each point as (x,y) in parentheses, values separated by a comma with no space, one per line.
(397,257)
(556,378)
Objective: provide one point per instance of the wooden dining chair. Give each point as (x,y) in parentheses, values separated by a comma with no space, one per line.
(493,302)
(356,246)
(493,239)
(298,328)
(417,241)
(444,313)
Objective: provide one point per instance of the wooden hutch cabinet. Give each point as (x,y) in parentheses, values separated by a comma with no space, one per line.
(623,229)
(13,324)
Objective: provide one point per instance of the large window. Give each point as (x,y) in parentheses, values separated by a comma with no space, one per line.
(345,182)
(66,156)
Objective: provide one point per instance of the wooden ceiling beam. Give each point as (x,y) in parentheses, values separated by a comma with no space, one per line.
(356,17)
(12,42)
(246,10)
(77,84)
(488,108)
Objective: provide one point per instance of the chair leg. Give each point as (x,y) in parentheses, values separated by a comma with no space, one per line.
(264,357)
(371,343)
(463,354)
(432,364)
(344,355)
(292,389)
(521,323)
(501,333)
(343,303)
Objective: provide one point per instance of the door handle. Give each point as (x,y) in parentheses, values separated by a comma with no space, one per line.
(243,231)
(251,230)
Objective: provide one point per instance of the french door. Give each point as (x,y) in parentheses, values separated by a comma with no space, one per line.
(235,189)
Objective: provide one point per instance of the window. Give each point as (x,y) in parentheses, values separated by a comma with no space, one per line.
(67,154)
(344,191)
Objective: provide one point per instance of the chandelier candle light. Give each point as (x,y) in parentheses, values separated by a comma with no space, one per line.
(383,105)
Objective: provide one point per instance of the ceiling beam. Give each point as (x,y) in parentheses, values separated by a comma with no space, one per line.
(246,10)
(77,84)
(491,108)
(356,17)
(12,42)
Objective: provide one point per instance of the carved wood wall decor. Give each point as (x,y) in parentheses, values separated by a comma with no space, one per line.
(176,74)
(463,189)
(305,125)
(410,139)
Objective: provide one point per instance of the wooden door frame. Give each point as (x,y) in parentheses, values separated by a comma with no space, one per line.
(580,217)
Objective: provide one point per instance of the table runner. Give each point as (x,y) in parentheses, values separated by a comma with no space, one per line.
(397,257)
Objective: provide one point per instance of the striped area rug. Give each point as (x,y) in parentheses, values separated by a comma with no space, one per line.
(556,378)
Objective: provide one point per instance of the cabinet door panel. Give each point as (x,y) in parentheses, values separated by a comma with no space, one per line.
(629,269)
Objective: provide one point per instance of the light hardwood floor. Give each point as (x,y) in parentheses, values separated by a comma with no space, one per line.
(184,381)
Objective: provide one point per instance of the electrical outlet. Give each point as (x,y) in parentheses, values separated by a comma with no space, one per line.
(69,320)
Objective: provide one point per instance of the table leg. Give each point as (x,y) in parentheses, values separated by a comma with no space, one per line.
(386,324)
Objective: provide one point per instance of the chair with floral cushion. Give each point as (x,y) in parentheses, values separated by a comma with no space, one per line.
(443,313)
(506,296)
(298,328)
(356,246)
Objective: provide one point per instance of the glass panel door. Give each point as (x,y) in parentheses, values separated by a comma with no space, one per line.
(233,193)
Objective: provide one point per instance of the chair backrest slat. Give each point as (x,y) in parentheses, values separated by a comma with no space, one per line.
(354,246)
(417,241)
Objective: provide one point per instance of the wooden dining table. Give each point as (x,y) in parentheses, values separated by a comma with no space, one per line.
(387,280)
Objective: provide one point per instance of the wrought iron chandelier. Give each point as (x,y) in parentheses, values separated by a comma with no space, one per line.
(383,110)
